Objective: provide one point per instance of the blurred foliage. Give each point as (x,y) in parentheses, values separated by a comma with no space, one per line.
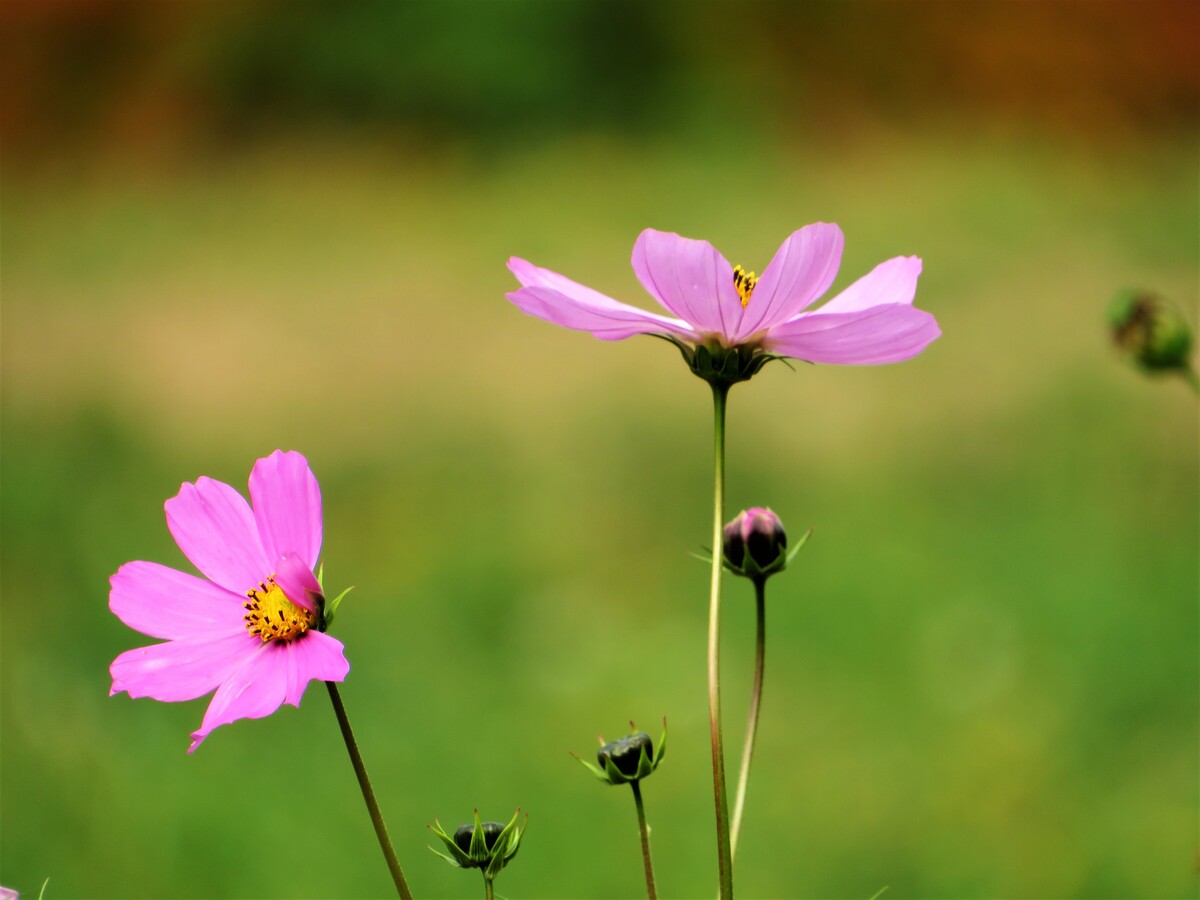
(982,671)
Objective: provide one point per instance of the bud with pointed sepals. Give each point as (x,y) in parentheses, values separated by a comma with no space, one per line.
(1151,331)
(627,759)
(755,544)
(489,846)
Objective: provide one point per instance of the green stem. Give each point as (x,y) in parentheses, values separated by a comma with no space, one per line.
(489,892)
(644,830)
(760,646)
(360,770)
(724,856)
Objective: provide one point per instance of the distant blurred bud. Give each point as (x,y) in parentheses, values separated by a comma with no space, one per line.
(1151,331)
(627,759)
(756,544)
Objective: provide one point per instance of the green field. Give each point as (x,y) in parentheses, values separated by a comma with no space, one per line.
(982,671)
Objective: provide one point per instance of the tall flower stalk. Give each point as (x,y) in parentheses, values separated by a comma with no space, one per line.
(724,847)
(364,783)
(755,547)
(760,652)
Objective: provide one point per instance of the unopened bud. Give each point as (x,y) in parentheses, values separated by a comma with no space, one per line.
(1151,331)
(627,759)
(755,543)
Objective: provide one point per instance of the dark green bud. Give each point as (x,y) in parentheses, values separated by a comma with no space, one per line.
(464,833)
(627,759)
(489,846)
(1151,331)
(625,753)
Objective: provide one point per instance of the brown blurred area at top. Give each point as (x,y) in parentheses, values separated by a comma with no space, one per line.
(129,75)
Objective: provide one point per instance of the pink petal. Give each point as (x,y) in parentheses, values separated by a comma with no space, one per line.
(690,278)
(180,670)
(254,689)
(802,270)
(297,582)
(315,657)
(881,334)
(894,281)
(166,603)
(287,506)
(560,300)
(214,527)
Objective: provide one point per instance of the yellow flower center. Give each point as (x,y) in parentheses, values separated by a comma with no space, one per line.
(271,616)
(744,282)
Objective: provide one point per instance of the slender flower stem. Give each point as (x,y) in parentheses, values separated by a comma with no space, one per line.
(760,646)
(724,856)
(488,889)
(360,770)
(644,830)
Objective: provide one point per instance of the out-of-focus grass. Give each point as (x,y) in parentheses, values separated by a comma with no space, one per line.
(982,671)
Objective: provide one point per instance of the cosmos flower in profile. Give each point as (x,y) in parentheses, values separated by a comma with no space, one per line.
(252,628)
(722,308)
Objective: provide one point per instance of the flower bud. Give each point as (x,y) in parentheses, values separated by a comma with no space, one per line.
(755,543)
(627,759)
(1151,331)
(464,833)
(483,845)
(625,752)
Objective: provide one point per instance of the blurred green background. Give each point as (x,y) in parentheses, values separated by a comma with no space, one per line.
(234,227)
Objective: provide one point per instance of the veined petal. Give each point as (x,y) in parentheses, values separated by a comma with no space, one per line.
(297,581)
(180,670)
(881,334)
(690,278)
(893,281)
(254,689)
(802,270)
(287,506)
(169,604)
(315,657)
(214,527)
(612,321)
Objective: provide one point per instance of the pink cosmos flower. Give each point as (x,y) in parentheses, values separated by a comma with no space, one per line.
(252,630)
(716,305)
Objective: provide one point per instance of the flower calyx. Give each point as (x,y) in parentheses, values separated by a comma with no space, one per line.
(755,544)
(627,759)
(489,846)
(720,365)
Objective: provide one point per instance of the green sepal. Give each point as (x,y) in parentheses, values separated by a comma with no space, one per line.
(593,768)
(661,750)
(799,545)
(508,842)
(478,847)
(459,858)
(321,575)
(332,606)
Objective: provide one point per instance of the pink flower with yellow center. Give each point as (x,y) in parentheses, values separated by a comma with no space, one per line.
(718,306)
(253,630)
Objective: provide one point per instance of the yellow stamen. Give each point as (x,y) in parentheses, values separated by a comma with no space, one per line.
(271,616)
(744,282)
